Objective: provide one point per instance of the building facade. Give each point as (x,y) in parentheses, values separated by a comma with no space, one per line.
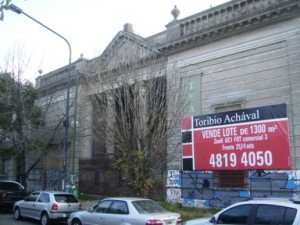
(240,55)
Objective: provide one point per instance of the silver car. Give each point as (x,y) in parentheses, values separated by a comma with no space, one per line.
(126,210)
(266,211)
(46,206)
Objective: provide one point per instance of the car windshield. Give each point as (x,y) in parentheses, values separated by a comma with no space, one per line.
(65,198)
(148,206)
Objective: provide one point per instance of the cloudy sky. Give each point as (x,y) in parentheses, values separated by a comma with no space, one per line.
(88,25)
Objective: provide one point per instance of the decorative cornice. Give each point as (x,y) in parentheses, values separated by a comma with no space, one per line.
(229,19)
(58,79)
(55,86)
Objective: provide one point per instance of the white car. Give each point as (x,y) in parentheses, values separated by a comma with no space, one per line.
(263,211)
(125,210)
(46,206)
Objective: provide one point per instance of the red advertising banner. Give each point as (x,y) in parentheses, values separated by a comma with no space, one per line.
(247,139)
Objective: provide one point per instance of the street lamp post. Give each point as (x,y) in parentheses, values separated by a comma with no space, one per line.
(75,125)
(18,10)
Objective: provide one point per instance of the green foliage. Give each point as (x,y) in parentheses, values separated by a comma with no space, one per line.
(18,116)
(188,213)
(33,113)
(6,101)
(135,175)
(84,197)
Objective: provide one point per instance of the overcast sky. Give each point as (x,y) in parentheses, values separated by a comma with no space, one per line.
(88,25)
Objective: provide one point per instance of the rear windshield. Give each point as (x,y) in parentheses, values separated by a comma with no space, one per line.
(68,198)
(148,206)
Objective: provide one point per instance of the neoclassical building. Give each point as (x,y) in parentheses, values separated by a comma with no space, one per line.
(240,64)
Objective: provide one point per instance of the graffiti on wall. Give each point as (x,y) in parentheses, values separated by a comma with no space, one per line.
(195,188)
(173,185)
(264,184)
(54,180)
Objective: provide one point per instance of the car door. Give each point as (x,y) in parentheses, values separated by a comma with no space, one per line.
(118,214)
(43,202)
(96,215)
(240,214)
(274,214)
(27,207)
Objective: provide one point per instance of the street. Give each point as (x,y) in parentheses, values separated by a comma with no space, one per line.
(6,218)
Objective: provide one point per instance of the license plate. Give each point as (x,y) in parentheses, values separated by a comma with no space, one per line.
(168,222)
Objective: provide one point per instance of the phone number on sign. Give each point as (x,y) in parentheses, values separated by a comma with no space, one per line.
(248,159)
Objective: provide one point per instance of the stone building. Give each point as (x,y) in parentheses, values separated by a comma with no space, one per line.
(240,55)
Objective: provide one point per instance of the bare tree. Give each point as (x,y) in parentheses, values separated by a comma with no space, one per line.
(4,5)
(19,115)
(24,139)
(137,107)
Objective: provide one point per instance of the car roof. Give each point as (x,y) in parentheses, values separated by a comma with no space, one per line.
(53,192)
(275,201)
(10,181)
(126,198)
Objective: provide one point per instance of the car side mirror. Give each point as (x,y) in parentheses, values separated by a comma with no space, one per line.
(212,220)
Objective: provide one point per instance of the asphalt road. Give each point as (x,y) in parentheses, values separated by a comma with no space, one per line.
(6,218)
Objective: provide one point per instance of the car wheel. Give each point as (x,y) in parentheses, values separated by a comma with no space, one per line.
(45,219)
(17,213)
(76,222)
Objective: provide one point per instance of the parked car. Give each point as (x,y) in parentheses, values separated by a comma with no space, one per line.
(46,206)
(10,192)
(126,210)
(267,211)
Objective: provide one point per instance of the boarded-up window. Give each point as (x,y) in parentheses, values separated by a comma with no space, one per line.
(231,179)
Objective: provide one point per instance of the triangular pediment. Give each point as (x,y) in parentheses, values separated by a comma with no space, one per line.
(124,48)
